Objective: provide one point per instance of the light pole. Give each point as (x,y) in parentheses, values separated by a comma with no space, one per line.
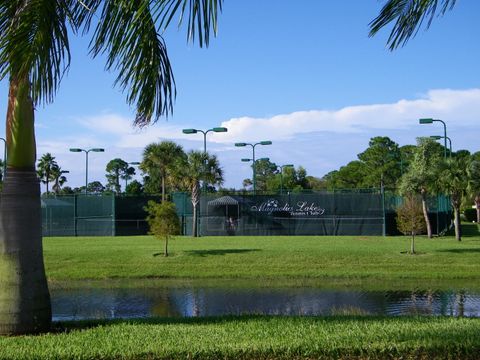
(205,132)
(86,162)
(4,156)
(438,137)
(254,163)
(126,175)
(430,121)
(242,144)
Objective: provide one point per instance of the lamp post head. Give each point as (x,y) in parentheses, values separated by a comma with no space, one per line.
(266,142)
(240,144)
(262,159)
(246,160)
(97,150)
(189,131)
(134,163)
(425,121)
(76,150)
(436,137)
(220,129)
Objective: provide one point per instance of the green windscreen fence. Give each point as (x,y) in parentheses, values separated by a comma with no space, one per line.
(92,215)
(314,213)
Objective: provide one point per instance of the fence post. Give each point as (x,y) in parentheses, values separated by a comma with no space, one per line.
(75,214)
(384,225)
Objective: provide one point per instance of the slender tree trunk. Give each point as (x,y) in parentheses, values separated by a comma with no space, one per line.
(456,201)
(47,175)
(166,246)
(425,213)
(24,297)
(412,245)
(195,201)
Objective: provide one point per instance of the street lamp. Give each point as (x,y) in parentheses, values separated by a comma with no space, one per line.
(438,137)
(126,177)
(205,132)
(242,144)
(430,121)
(86,162)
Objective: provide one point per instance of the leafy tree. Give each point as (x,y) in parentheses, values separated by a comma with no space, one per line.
(410,219)
(196,167)
(118,169)
(94,187)
(408,16)
(160,161)
(350,176)
(453,180)
(421,177)
(316,183)
(58,179)
(46,166)
(382,162)
(134,188)
(163,221)
(34,56)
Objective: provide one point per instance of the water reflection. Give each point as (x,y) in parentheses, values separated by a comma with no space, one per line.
(75,304)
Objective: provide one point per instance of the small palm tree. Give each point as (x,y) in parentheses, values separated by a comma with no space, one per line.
(160,160)
(45,167)
(199,167)
(453,181)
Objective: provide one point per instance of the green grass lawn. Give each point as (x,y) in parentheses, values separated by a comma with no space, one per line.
(255,337)
(342,259)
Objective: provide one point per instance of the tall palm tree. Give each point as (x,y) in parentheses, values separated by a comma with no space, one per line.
(160,160)
(34,56)
(45,167)
(199,167)
(453,180)
(58,179)
(408,15)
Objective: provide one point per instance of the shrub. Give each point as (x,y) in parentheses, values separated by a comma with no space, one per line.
(163,221)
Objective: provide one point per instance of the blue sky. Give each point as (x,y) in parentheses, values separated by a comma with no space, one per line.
(303,74)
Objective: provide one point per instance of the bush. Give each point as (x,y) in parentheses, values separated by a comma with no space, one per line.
(163,221)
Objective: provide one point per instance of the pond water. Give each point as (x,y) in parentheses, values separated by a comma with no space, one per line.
(110,303)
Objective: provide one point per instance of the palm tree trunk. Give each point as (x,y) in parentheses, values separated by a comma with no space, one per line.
(47,178)
(456,202)
(24,297)
(195,201)
(425,213)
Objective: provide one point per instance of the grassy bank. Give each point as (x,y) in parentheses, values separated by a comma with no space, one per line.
(293,259)
(255,338)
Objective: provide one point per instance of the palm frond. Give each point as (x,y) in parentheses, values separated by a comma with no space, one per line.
(127,34)
(34,43)
(408,15)
(202,16)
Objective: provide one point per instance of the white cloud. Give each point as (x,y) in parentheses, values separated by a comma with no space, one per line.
(320,140)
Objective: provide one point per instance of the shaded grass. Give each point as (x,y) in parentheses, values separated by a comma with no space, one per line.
(255,337)
(290,260)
